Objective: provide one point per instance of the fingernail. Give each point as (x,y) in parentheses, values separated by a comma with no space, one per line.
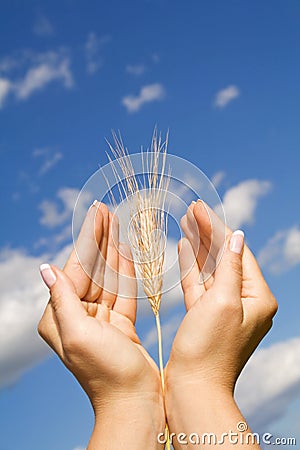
(194,203)
(48,275)
(94,203)
(237,241)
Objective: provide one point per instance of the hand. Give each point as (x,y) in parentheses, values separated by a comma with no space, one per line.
(89,323)
(227,316)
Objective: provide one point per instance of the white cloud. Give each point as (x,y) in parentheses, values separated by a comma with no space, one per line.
(38,77)
(93,46)
(240,202)
(5,88)
(291,248)
(40,152)
(149,93)
(8,63)
(43,27)
(23,295)
(282,251)
(52,213)
(225,96)
(64,235)
(28,182)
(172,292)
(51,162)
(155,58)
(265,388)
(217,178)
(39,70)
(169,329)
(56,240)
(269,382)
(22,300)
(50,159)
(135,69)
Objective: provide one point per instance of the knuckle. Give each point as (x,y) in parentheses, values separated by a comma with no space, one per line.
(268,306)
(272,307)
(44,332)
(41,328)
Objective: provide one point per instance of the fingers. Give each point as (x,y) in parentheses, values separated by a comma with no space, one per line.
(205,260)
(99,268)
(214,233)
(110,286)
(189,273)
(127,291)
(229,274)
(211,228)
(64,300)
(80,264)
(96,274)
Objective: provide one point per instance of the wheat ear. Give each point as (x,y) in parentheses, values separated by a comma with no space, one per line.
(148,221)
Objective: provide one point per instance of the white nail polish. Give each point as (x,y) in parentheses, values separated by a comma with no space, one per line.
(93,204)
(237,241)
(48,275)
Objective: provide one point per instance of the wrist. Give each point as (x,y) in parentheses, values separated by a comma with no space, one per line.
(202,409)
(186,394)
(202,377)
(128,422)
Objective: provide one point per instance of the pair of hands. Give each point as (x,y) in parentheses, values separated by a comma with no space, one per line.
(92,330)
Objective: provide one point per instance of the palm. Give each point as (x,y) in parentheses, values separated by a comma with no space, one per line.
(109,296)
(118,335)
(199,255)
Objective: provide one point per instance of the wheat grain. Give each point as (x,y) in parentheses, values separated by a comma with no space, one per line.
(146,199)
(148,219)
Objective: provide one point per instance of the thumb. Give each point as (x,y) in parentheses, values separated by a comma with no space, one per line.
(66,304)
(229,273)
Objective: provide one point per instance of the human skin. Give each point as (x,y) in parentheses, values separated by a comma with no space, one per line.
(226,318)
(89,322)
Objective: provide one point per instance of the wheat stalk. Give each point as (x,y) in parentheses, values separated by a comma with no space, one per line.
(148,220)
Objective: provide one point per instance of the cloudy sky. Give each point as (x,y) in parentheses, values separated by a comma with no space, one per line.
(223,77)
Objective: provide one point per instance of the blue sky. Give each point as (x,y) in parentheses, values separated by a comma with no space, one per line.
(223,77)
